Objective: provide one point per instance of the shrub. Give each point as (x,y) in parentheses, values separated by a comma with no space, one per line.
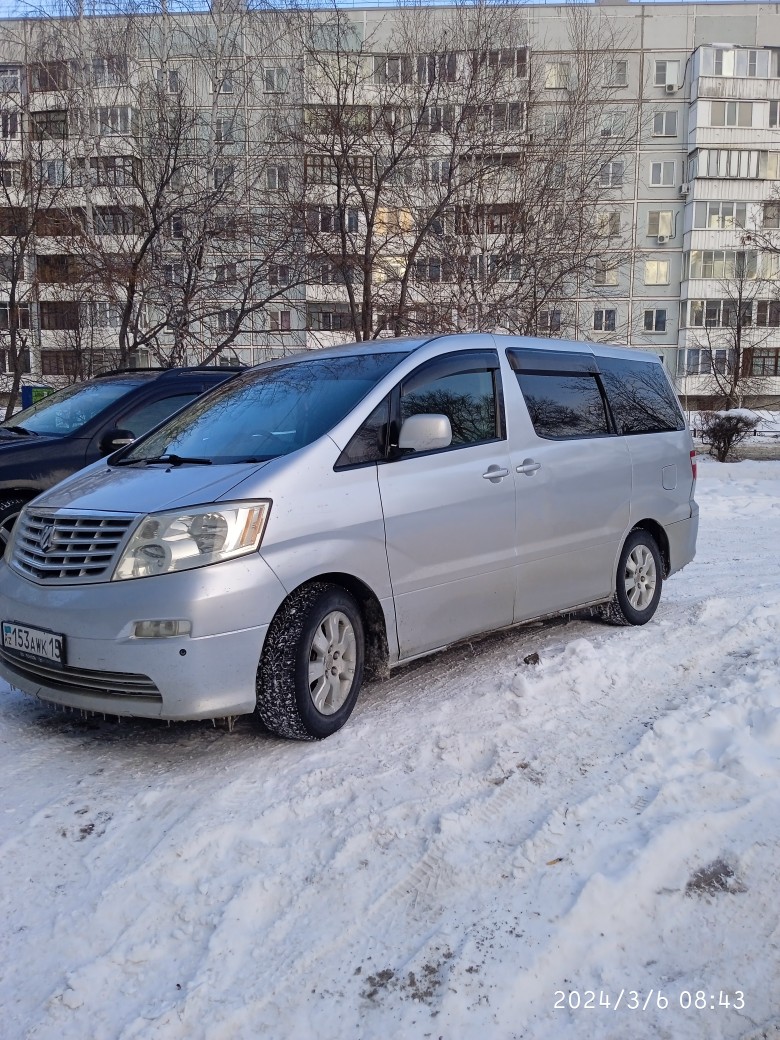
(723,431)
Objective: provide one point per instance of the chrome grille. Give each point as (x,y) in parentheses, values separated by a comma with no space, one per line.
(58,547)
(84,681)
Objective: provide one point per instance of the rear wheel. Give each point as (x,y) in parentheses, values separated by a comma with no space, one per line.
(638,581)
(312,665)
(10,508)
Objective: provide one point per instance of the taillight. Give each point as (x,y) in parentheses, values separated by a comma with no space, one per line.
(693,464)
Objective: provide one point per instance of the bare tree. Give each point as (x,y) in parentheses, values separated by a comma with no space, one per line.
(452,182)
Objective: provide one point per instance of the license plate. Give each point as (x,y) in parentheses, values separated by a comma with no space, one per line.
(34,644)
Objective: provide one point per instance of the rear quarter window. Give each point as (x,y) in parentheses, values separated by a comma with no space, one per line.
(640,396)
(562,406)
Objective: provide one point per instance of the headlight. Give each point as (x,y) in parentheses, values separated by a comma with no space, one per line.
(177,541)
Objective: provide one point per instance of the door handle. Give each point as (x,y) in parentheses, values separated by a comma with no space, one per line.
(495,474)
(529,467)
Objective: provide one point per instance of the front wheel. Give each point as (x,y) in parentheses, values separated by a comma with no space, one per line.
(638,581)
(10,508)
(312,665)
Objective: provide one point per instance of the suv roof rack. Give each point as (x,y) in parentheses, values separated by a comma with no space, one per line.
(176,370)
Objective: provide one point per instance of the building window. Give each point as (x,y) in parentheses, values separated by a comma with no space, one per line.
(276,178)
(223,130)
(613,124)
(363,169)
(616,73)
(510,60)
(52,173)
(607,223)
(223,84)
(279,320)
(666,72)
(720,216)
(49,126)
(227,320)
(173,274)
(22,316)
(393,68)
(225,274)
(604,320)
(722,263)
(731,113)
(330,321)
(659,222)
(611,175)
(657,272)
(655,320)
(114,220)
(59,314)
(333,219)
(665,123)
(437,119)
(737,62)
(10,79)
(111,121)
(9,125)
(168,81)
(274,80)
(662,174)
(110,71)
(106,315)
(749,164)
(320,169)
(49,75)
(549,320)
(605,273)
(556,76)
(434,269)
(278,274)
(771,215)
(768,313)
(224,175)
(765,363)
(432,68)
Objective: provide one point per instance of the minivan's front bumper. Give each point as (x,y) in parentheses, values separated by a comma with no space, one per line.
(682,540)
(208,673)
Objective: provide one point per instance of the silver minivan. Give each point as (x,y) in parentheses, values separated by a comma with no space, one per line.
(326,516)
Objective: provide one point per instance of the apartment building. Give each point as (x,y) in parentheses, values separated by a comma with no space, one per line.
(686,211)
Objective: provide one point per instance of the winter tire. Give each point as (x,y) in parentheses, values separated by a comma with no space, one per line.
(638,581)
(10,508)
(312,664)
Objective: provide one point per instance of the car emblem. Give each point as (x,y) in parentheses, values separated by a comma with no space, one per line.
(46,538)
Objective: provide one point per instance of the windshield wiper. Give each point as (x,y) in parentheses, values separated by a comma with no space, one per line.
(17,429)
(168,460)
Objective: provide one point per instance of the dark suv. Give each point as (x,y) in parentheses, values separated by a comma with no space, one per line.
(84,422)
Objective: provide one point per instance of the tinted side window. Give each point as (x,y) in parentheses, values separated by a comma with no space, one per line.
(468,399)
(368,443)
(148,414)
(564,406)
(639,394)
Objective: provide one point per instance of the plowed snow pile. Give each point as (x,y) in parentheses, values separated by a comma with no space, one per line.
(582,848)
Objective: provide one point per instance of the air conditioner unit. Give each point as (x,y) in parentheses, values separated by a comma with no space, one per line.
(663,239)
(671,88)
(685,188)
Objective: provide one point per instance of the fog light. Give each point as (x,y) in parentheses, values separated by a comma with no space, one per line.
(161,629)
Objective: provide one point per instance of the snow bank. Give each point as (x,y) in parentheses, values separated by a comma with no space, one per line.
(488,849)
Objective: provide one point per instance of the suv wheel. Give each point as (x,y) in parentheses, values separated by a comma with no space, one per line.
(312,665)
(638,581)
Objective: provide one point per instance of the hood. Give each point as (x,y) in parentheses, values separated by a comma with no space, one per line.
(11,442)
(144,489)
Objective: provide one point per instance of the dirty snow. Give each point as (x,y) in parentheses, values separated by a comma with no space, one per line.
(486,839)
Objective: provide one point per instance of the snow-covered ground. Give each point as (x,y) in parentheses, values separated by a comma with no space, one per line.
(488,846)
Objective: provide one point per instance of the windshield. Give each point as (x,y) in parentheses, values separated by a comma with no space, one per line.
(269,413)
(69,409)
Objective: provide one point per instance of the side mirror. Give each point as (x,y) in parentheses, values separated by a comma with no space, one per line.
(425,433)
(113,440)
